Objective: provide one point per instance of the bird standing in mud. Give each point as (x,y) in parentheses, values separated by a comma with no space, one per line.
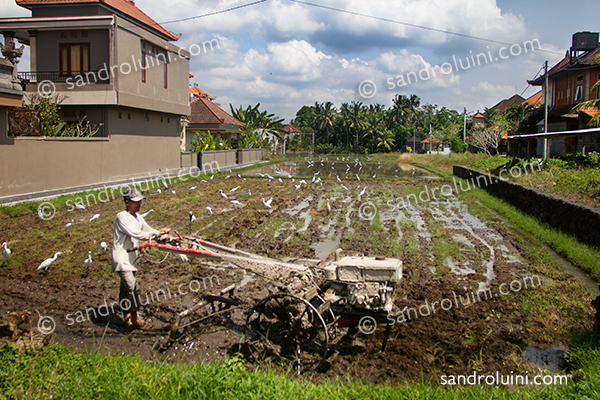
(6,252)
(88,260)
(192,217)
(47,262)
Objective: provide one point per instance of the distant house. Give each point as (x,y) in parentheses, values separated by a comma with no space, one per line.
(431,143)
(478,121)
(569,83)
(207,116)
(415,144)
(535,100)
(117,69)
(506,103)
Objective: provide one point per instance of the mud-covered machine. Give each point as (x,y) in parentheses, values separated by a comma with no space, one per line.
(310,302)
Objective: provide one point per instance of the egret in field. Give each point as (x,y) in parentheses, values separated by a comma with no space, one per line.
(362,192)
(79,206)
(158,191)
(88,260)
(6,252)
(279,179)
(298,186)
(358,177)
(174,192)
(95,216)
(328,206)
(192,218)
(203,181)
(234,189)
(211,177)
(374,176)
(338,178)
(193,188)
(104,246)
(249,193)
(47,262)
(237,202)
(183,258)
(70,224)
(267,203)
(165,184)
(144,215)
(222,193)
(209,210)
(344,187)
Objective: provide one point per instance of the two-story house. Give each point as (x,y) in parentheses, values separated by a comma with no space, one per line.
(569,83)
(114,66)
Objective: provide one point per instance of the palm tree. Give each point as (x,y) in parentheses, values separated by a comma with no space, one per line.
(325,116)
(385,140)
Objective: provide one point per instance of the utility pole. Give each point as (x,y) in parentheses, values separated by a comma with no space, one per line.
(464,124)
(546,110)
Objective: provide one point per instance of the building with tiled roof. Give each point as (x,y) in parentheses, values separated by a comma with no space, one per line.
(506,103)
(207,116)
(570,83)
(117,70)
(535,100)
(195,91)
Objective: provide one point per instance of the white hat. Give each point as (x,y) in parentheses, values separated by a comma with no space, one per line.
(133,195)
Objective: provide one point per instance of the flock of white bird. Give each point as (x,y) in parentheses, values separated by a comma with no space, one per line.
(316,179)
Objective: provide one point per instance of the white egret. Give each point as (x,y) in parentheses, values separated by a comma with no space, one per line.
(95,216)
(174,192)
(46,263)
(193,188)
(158,191)
(338,178)
(209,210)
(328,206)
(343,186)
(183,257)
(79,206)
(104,246)
(267,203)
(192,218)
(237,202)
(88,260)
(234,189)
(70,224)
(358,177)
(6,252)
(222,193)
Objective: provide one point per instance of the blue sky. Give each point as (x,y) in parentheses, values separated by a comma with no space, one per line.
(285,54)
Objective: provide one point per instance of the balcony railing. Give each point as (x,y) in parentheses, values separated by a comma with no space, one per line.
(87,77)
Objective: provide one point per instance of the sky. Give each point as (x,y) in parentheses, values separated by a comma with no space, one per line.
(285,54)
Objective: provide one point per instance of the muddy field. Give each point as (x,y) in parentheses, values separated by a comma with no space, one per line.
(451,245)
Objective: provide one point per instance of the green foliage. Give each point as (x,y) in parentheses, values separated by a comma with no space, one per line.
(204,141)
(52,125)
(254,120)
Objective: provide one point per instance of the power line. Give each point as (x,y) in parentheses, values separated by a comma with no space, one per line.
(412,25)
(214,13)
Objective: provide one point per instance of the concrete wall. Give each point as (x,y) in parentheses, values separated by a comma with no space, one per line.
(151,94)
(48,44)
(569,217)
(246,156)
(43,164)
(209,161)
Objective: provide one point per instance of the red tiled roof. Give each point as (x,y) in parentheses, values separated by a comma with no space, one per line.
(504,104)
(125,6)
(535,99)
(585,60)
(206,112)
(196,91)
(431,139)
(478,115)
(291,128)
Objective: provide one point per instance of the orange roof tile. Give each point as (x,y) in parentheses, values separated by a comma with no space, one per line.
(535,99)
(431,139)
(196,91)
(291,128)
(125,6)
(478,115)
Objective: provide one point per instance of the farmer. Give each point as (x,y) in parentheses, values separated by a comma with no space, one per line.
(129,228)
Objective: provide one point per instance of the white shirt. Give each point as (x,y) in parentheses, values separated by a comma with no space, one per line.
(128,230)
